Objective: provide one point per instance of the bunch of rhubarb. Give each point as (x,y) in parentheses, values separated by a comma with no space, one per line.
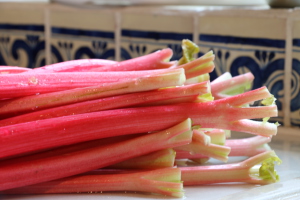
(146,124)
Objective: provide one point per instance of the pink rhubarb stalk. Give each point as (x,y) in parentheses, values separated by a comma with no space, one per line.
(38,102)
(13,69)
(73,66)
(258,169)
(25,171)
(160,181)
(237,84)
(155,60)
(220,114)
(248,146)
(126,100)
(24,84)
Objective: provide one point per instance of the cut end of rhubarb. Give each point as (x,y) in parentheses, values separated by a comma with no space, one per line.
(263,170)
(265,129)
(165,181)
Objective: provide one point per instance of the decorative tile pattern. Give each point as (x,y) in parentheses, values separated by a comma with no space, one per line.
(22,41)
(295,82)
(240,49)
(88,35)
(146,33)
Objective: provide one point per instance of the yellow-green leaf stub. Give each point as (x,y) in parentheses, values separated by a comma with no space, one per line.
(269,101)
(188,50)
(267,170)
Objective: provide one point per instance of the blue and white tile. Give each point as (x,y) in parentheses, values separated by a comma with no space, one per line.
(143,33)
(295,82)
(79,34)
(22,41)
(243,44)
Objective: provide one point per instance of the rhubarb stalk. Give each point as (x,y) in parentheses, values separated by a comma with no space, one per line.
(221,114)
(160,181)
(21,171)
(38,102)
(258,169)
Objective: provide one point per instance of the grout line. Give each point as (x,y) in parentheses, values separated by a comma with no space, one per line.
(287,72)
(47,35)
(117,36)
(196,30)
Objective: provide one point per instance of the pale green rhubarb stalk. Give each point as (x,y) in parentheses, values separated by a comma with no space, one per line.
(161,181)
(217,136)
(62,163)
(18,106)
(248,146)
(227,87)
(226,114)
(155,160)
(223,77)
(201,145)
(238,147)
(120,101)
(12,70)
(214,136)
(258,169)
(197,79)
(25,84)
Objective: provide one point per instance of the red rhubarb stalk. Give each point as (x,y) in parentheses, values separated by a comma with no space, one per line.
(21,172)
(258,169)
(155,160)
(140,98)
(220,114)
(160,181)
(38,102)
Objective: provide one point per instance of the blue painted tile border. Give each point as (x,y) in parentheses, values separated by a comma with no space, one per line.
(82,32)
(156,35)
(296,42)
(22,27)
(242,40)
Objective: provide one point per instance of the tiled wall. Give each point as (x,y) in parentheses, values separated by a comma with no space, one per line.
(260,41)
(22,40)
(73,38)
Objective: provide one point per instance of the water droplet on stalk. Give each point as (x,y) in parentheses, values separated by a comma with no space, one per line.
(33,80)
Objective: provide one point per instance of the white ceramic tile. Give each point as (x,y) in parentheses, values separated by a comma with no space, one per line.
(21,36)
(77,34)
(295,89)
(143,33)
(247,44)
